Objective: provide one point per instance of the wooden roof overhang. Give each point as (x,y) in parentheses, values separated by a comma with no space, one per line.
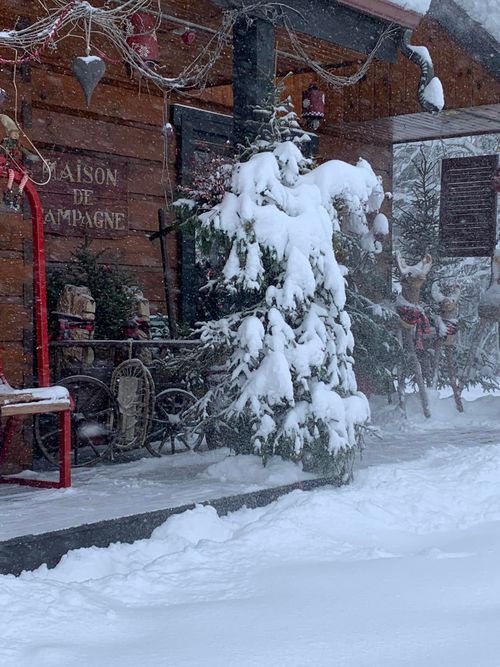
(352,24)
(386,10)
(422,126)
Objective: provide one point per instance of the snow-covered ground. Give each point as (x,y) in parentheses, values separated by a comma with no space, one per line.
(400,569)
(110,491)
(480,410)
(122,489)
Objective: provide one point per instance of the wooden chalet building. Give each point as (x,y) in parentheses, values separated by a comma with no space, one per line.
(112,163)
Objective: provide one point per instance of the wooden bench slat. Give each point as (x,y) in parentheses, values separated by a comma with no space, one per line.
(38,407)
(9,396)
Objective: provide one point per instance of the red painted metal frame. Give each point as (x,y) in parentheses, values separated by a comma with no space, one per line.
(41,323)
(64,455)
(42,342)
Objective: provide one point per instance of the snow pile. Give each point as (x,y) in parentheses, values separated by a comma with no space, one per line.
(434,94)
(357,191)
(400,568)
(289,372)
(479,410)
(381,225)
(249,470)
(42,395)
(108,492)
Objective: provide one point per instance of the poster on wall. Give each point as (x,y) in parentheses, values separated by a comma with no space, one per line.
(85,196)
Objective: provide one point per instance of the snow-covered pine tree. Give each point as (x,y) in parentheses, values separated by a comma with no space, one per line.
(286,383)
(374,322)
(417,221)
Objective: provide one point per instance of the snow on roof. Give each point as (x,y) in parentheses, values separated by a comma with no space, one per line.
(420,6)
(485,12)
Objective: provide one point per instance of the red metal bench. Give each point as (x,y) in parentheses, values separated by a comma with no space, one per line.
(16,403)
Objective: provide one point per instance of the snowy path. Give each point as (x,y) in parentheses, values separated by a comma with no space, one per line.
(398,570)
(110,491)
(148,484)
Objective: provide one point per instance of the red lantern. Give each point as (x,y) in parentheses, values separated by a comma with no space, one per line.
(313,106)
(141,36)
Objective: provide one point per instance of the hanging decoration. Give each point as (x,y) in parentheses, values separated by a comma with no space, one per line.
(88,70)
(16,157)
(15,154)
(313,106)
(188,36)
(139,50)
(141,36)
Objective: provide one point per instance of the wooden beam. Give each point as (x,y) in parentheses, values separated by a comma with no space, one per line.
(254,60)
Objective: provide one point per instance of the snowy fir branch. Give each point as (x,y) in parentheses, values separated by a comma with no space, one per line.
(287,384)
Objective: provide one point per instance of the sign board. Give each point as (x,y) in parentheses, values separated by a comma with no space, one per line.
(85,196)
(468,211)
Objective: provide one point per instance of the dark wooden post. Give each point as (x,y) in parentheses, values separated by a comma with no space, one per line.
(253,74)
(167,277)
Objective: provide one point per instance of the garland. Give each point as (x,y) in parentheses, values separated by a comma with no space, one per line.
(109,22)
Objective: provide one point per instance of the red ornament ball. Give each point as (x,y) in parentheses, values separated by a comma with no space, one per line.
(188,36)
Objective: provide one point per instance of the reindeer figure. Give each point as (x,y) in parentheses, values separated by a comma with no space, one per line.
(489,314)
(446,329)
(489,306)
(447,324)
(414,322)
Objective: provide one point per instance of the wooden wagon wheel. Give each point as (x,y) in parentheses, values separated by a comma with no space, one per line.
(134,390)
(94,423)
(170,425)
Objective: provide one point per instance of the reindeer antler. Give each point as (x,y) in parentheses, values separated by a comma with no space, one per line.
(425,265)
(402,265)
(439,297)
(456,293)
(436,293)
(418,270)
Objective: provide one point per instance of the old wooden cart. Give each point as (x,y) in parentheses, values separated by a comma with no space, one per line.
(123,397)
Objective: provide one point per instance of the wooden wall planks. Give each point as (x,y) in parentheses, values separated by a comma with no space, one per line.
(126,118)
